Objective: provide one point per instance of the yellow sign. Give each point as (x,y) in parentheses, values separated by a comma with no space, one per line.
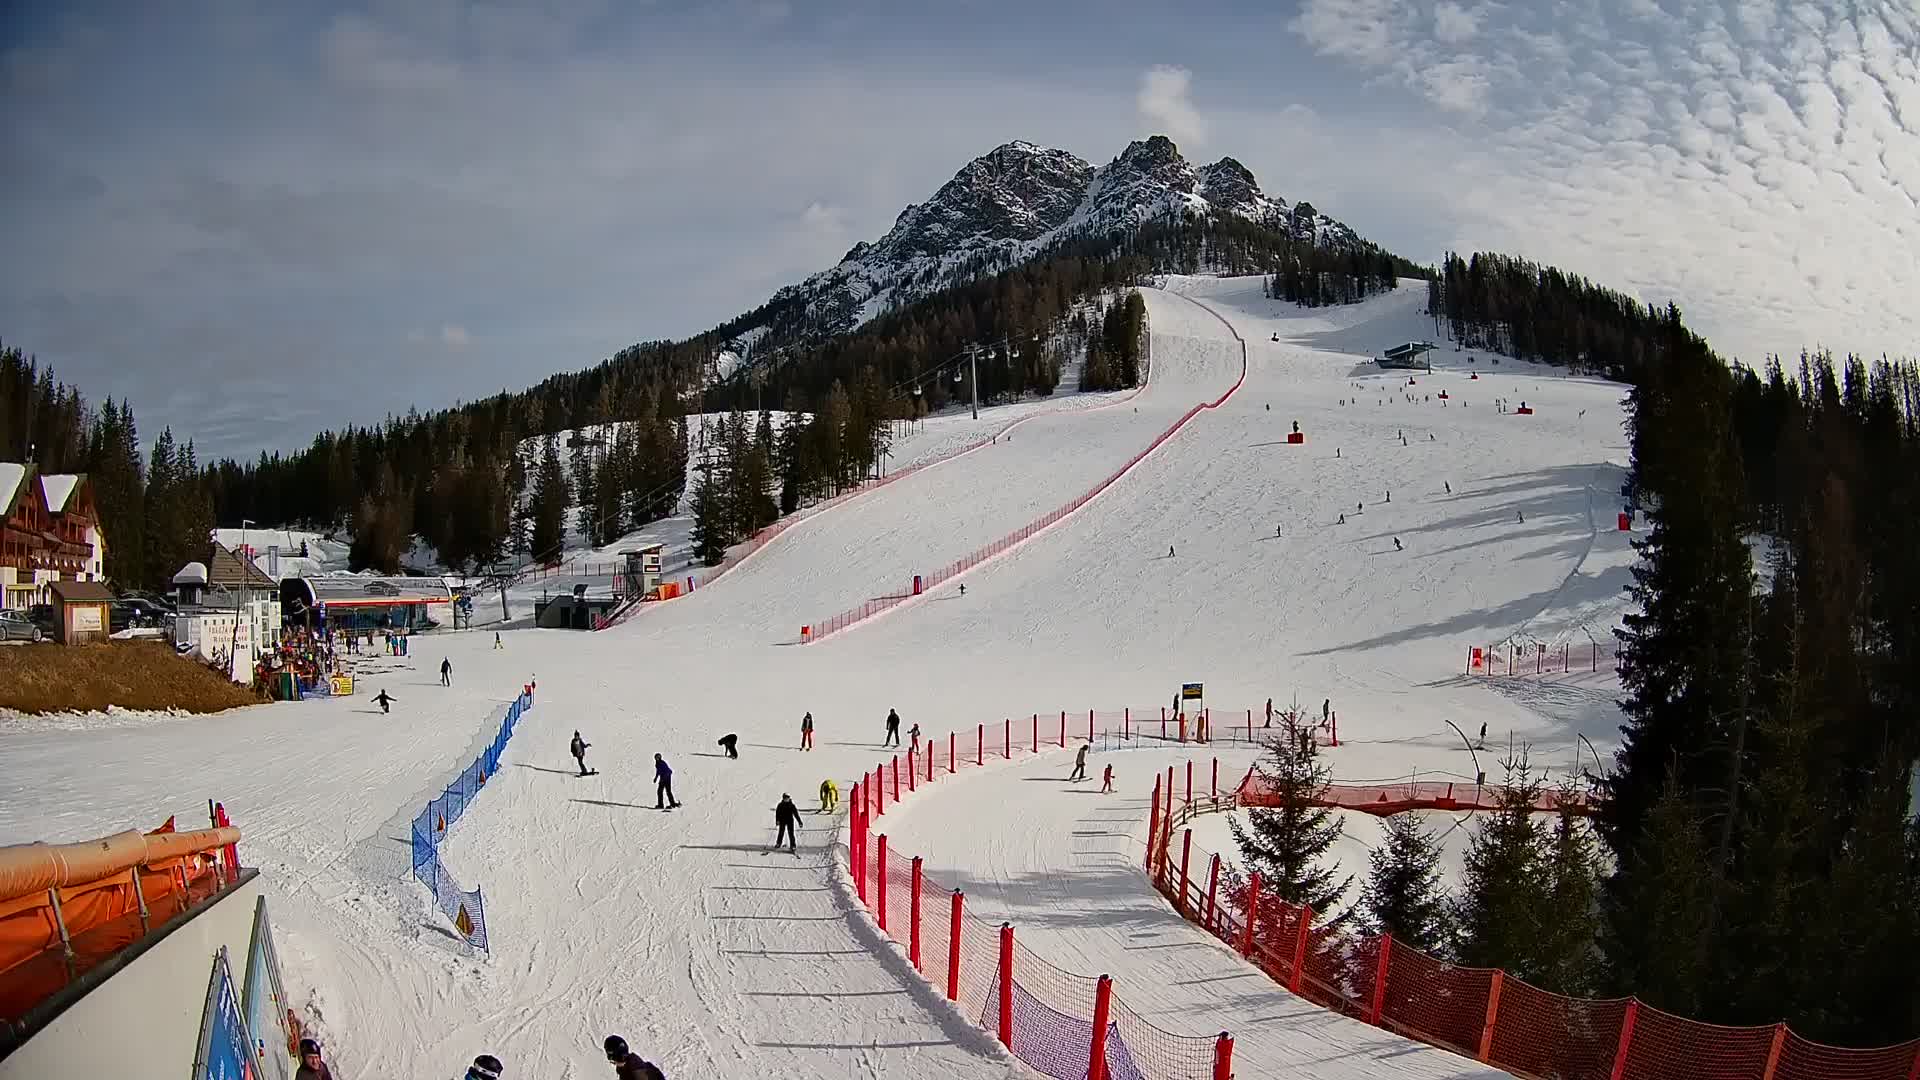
(463,922)
(342,685)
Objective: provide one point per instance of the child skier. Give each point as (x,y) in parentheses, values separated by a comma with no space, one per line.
(913,733)
(786,817)
(383,700)
(1106,780)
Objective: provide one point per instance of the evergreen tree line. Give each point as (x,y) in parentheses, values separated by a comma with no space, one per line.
(156,513)
(1527,901)
(1114,355)
(1523,309)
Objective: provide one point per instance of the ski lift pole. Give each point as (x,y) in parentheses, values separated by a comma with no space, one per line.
(973,377)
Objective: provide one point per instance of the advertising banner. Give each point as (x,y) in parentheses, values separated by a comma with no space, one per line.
(226,1049)
(264,1003)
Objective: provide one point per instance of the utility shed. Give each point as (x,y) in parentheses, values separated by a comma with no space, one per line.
(80,612)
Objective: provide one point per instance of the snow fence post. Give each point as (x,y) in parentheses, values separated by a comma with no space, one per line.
(1493,1013)
(1036,733)
(930,761)
(1189,784)
(1223,1057)
(1299,950)
(1216,781)
(1126,723)
(1381,961)
(1153,823)
(880,790)
(1163,723)
(1063,730)
(953,743)
(910,769)
(953,947)
(856,840)
(1773,1051)
(1213,888)
(880,880)
(1183,726)
(1253,912)
(1186,854)
(1626,1041)
(1006,745)
(913,935)
(980,749)
(1102,1005)
(896,778)
(1089,725)
(1006,985)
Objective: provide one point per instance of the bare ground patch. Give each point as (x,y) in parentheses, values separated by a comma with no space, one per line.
(143,675)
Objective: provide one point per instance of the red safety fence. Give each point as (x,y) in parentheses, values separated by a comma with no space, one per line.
(1481,1013)
(1540,658)
(1061,1024)
(833,624)
(1393,797)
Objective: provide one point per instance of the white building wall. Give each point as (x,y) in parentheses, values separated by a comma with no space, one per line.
(145,1019)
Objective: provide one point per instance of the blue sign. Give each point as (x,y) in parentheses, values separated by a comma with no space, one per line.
(265,1002)
(226,1049)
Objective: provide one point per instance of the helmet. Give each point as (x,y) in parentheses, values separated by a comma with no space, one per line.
(308,1046)
(485,1067)
(616,1048)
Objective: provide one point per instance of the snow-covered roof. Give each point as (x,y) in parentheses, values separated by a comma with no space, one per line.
(58,488)
(354,590)
(11,473)
(194,573)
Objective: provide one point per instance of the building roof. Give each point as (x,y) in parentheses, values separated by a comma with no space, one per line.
(58,488)
(79,591)
(228,570)
(1411,348)
(12,474)
(349,590)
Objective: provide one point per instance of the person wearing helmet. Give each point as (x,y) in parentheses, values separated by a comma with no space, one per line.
(311,1066)
(485,1067)
(787,817)
(628,1065)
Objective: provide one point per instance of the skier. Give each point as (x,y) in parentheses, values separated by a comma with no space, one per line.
(496,640)
(786,817)
(893,729)
(1396,544)
(806,732)
(311,1065)
(384,700)
(628,1065)
(727,742)
(663,785)
(1276,532)
(829,796)
(1326,710)
(578,748)
(1389,495)
(963,589)
(1169,551)
(1358,507)
(1449,485)
(446,671)
(1106,780)
(1080,762)
(1269,722)
(913,733)
(485,1067)
(1342,521)
(1523,516)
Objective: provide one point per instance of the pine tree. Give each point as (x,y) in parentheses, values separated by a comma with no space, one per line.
(1402,895)
(1506,891)
(710,527)
(161,529)
(585,489)
(550,500)
(1569,962)
(1656,932)
(1288,843)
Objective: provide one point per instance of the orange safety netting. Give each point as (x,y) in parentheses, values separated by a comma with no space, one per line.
(94,892)
(1487,1014)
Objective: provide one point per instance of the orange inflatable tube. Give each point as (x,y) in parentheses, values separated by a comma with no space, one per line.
(34,868)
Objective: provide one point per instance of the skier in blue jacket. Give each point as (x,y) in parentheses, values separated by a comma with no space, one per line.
(663,785)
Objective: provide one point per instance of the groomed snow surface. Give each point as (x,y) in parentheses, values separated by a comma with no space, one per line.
(717,959)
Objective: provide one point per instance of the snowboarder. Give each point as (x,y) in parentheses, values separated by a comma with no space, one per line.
(786,817)
(1106,780)
(728,742)
(806,732)
(829,796)
(628,1065)
(1396,544)
(446,671)
(1080,762)
(893,729)
(578,748)
(663,785)
(485,1067)
(384,701)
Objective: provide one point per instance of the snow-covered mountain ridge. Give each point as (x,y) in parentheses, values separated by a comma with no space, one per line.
(1015,203)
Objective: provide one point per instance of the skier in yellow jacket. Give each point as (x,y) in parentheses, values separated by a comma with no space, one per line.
(829,796)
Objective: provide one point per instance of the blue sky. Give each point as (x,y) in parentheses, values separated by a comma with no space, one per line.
(261,220)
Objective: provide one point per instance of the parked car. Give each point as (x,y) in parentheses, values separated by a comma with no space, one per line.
(41,615)
(15,626)
(137,610)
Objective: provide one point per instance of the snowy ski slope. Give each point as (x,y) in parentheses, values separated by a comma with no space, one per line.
(718,960)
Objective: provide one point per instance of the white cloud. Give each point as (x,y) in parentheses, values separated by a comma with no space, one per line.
(1166,104)
(453,337)
(1453,24)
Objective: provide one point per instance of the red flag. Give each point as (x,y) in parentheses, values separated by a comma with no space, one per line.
(165,827)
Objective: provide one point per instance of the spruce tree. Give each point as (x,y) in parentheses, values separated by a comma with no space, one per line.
(1288,842)
(549,510)
(1402,895)
(585,476)
(710,526)
(1506,892)
(1656,934)
(1569,962)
